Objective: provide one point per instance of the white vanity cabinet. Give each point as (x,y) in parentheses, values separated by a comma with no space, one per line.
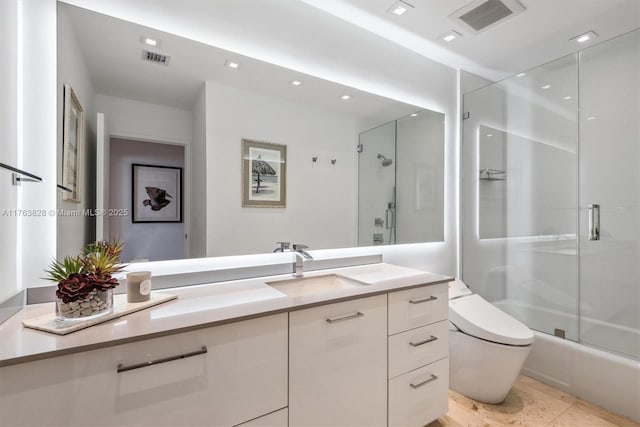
(229,374)
(418,355)
(338,364)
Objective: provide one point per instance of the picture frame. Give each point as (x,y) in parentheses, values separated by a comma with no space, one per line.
(72,144)
(156,193)
(264,174)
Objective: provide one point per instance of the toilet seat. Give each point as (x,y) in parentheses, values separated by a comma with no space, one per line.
(475,316)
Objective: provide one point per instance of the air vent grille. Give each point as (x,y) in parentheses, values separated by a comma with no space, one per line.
(482,14)
(154,57)
(486,14)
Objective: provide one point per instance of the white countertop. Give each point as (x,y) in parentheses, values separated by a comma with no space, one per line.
(198,306)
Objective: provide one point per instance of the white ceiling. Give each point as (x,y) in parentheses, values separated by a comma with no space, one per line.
(112,49)
(538,35)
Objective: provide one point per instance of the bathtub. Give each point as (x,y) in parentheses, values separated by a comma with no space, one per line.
(606,379)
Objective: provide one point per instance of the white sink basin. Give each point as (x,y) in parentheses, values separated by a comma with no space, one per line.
(304,286)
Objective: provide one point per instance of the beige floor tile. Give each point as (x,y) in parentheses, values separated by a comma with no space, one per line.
(575,417)
(594,410)
(525,406)
(532,404)
(528,382)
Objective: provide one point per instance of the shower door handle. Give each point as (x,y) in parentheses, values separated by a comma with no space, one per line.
(594,222)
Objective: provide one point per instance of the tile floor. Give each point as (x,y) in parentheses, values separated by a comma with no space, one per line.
(530,403)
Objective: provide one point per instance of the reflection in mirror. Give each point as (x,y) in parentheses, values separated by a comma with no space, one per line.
(184,106)
(519,176)
(401,181)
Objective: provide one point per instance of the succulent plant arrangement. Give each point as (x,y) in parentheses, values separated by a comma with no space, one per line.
(83,279)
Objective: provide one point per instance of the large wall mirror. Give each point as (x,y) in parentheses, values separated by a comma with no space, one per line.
(182,109)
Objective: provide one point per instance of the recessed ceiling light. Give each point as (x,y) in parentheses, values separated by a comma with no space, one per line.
(232,64)
(345,97)
(150,41)
(591,118)
(545,87)
(489,135)
(584,38)
(296,82)
(566,98)
(520,75)
(414,114)
(450,36)
(399,8)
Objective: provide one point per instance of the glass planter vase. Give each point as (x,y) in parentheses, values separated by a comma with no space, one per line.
(96,304)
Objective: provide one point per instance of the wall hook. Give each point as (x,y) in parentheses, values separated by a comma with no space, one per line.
(314,159)
(333,161)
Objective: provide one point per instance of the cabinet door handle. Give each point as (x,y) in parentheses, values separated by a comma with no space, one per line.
(343,318)
(421,300)
(122,368)
(428,340)
(420,384)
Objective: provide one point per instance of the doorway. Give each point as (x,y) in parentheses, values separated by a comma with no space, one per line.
(152,241)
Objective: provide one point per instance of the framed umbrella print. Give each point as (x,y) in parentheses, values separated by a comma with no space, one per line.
(156,193)
(264,174)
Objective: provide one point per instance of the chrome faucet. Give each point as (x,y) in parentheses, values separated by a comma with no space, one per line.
(284,247)
(301,256)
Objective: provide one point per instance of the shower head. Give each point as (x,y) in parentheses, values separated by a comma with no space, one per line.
(385,162)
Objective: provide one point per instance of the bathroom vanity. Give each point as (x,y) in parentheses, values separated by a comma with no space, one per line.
(365,345)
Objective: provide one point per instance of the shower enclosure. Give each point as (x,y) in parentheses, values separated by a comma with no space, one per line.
(550,195)
(400,181)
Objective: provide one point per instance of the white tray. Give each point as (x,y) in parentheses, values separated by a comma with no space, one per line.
(121,307)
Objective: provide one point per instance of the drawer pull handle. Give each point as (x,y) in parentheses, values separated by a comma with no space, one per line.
(421,300)
(433,378)
(343,318)
(122,368)
(428,340)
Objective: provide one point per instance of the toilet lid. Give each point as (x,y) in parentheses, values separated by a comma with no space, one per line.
(477,317)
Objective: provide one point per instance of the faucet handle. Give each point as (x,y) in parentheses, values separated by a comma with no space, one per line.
(299,247)
(283,246)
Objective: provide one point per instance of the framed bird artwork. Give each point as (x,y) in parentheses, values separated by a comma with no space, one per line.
(156,193)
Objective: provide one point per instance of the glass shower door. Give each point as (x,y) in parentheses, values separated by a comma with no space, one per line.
(519,196)
(609,169)
(376,186)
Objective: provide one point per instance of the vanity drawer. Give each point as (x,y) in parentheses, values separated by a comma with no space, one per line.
(417,307)
(418,347)
(241,375)
(419,397)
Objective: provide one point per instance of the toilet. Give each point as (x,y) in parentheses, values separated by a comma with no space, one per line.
(487,346)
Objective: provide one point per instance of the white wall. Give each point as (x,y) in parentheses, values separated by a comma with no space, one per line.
(39,138)
(144,121)
(8,145)
(320,205)
(74,232)
(152,241)
(198,223)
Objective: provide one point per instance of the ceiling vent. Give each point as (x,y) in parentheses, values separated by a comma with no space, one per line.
(480,15)
(156,58)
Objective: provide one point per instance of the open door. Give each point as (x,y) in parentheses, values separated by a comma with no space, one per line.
(102,179)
